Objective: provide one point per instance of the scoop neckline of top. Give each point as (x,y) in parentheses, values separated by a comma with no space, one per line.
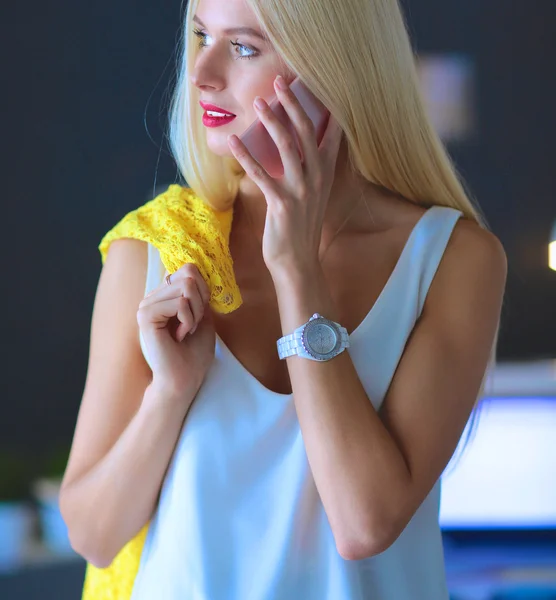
(364,324)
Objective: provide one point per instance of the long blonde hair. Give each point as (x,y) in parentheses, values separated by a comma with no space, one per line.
(357,59)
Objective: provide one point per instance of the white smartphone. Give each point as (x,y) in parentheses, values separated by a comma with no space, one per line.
(261,145)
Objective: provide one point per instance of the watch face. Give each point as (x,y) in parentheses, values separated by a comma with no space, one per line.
(321,339)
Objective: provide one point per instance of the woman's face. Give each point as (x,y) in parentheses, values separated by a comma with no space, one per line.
(232,67)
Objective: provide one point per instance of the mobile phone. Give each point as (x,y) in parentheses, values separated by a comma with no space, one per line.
(261,145)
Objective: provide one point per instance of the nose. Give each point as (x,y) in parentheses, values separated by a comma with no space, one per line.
(205,72)
(204,80)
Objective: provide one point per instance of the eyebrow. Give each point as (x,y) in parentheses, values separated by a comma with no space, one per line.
(242,30)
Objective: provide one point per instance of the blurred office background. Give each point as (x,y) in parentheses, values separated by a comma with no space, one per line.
(85,94)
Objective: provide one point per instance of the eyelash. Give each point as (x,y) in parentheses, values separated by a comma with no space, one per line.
(201,35)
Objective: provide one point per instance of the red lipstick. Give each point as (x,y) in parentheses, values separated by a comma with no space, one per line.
(214,120)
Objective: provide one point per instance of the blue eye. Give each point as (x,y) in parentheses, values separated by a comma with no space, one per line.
(201,35)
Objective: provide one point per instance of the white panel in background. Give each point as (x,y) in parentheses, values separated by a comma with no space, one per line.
(506,477)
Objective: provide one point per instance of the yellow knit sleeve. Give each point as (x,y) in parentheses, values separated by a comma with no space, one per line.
(185,230)
(116,581)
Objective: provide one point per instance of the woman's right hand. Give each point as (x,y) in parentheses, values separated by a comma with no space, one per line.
(178,331)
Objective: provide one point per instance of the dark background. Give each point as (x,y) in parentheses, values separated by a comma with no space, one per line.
(86,89)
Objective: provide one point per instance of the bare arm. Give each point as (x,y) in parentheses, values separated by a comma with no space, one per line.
(374,469)
(126,428)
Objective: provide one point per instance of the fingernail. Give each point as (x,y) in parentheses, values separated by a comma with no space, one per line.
(259,103)
(193,330)
(280,82)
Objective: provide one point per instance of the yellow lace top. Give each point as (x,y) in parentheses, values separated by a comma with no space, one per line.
(184,229)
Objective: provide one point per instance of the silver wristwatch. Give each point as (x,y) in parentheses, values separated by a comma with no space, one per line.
(318,339)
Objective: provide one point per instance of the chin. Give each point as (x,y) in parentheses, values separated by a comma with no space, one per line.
(218,144)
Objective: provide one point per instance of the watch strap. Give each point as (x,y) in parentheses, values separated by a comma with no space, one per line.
(291,344)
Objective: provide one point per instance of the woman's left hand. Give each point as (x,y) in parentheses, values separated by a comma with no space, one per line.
(296,202)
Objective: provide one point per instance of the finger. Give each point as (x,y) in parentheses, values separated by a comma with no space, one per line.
(187,289)
(284,140)
(196,303)
(191,270)
(304,127)
(185,319)
(164,292)
(185,316)
(176,286)
(253,169)
(157,315)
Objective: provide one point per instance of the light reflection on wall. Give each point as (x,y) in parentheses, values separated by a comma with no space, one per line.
(552,249)
(447,85)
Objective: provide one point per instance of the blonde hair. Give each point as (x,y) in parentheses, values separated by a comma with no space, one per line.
(357,59)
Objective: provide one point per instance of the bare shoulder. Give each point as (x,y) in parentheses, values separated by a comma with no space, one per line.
(472,246)
(474,259)
(127,253)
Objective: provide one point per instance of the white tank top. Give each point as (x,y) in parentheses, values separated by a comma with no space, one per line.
(239,515)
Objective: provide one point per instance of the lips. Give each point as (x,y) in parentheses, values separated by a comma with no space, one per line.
(210,121)
(213,107)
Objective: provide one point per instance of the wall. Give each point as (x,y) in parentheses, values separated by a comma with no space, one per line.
(83,123)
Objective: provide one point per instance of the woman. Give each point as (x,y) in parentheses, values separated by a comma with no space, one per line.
(261,474)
